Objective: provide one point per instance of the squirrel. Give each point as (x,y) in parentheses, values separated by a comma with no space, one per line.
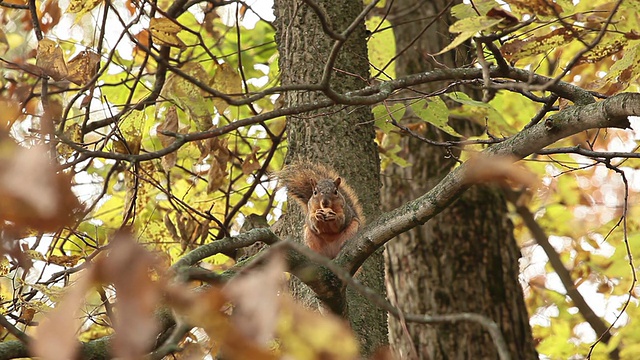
(333,213)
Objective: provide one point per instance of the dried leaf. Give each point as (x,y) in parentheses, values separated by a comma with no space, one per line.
(56,336)
(53,12)
(128,268)
(499,169)
(519,49)
(251,163)
(500,13)
(64,260)
(170,124)
(216,176)
(257,320)
(4,43)
(50,59)
(202,309)
(83,67)
(131,129)
(538,281)
(220,155)
(73,132)
(539,7)
(33,194)
(165,32)
(34,255)
(604,49)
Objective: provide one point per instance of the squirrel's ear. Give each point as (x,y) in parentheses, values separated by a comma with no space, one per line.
(313,183)
(337,182)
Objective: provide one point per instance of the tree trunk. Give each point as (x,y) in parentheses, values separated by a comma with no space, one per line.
(466,258)
(342,137)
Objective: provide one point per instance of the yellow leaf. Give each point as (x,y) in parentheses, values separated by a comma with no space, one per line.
(73,132)
(165,32)
(228,81)
(64,260)
(130,129)
(82,7)
(50,59)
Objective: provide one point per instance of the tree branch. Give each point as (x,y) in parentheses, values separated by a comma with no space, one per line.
(556,263)
(611,112)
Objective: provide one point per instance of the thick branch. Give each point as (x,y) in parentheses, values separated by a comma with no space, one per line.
(611,112)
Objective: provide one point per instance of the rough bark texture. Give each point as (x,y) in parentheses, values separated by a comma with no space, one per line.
(341,136)
(463,260)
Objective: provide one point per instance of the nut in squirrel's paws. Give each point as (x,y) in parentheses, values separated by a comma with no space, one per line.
(325,214)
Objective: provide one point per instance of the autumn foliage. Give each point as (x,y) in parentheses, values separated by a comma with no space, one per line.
(136,137)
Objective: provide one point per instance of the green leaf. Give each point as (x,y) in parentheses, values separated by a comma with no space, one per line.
(382,115)
(482,113)
(382,47)
(463,11)
(435,112)
(468,28)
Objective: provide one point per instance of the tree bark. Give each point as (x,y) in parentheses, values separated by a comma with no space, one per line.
(342,137)
(466,258)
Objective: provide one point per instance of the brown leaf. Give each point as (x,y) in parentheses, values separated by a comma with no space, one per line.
(257,320)
(219,156)
(4,43)
(251,163)
(83,67)
(53,12)
(170,124)
(538,281)
(499,13)
(519,49)
(33,194)
(216,176)
(127,267)
(501,169)
(56,336)
(538,7)
(189,96)
(50,59)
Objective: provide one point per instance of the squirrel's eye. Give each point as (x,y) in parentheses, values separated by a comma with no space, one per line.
(315,192)
(336,192)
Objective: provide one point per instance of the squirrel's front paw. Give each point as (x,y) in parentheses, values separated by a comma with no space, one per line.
(325,214)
